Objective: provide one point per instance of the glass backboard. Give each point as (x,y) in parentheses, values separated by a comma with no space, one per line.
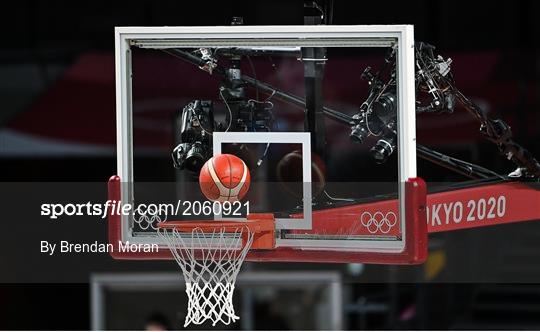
(336,168)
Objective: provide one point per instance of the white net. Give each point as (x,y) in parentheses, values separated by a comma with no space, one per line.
(210,262)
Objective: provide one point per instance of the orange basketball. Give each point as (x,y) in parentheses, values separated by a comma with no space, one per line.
(224,177)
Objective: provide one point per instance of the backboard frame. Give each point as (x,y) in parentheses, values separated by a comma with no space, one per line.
(303,36)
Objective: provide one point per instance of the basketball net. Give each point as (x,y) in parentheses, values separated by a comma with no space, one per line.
(210,260)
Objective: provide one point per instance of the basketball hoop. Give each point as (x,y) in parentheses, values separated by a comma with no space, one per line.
(210,255)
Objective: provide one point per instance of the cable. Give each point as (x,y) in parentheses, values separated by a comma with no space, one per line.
(192,109)
(460,166)
(260,161)
(267,88)
(228,108)
(336,198)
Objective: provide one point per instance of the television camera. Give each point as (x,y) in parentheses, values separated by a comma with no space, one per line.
(377,115)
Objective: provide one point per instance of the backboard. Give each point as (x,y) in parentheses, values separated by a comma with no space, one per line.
(333,200)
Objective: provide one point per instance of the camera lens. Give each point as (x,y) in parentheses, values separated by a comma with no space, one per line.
(384,113)
(358,133)
(383,148)
(195,157)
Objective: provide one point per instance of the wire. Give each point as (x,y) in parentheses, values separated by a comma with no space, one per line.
(269,109)
(228,108)
(369,111)
(367,125)
(266,102)
(457,165)
(192,109)
(260,161)
(336,198)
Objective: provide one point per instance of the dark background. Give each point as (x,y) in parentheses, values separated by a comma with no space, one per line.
(40,40)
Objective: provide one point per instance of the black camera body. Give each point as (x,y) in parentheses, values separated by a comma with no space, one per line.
(379,119)
(378,114)
(250,116)
(195,124)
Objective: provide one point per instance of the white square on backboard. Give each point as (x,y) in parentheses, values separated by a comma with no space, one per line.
(220,138)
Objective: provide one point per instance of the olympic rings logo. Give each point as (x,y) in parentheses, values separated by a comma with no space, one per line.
(378,222)
(148,217)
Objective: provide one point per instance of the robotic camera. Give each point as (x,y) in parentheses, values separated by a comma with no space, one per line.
(377,116)
(196,120)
